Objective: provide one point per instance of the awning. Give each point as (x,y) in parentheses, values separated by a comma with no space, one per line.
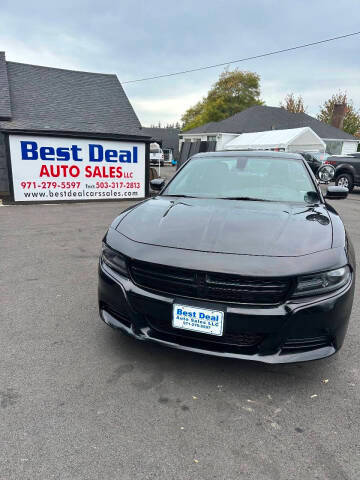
(290,140)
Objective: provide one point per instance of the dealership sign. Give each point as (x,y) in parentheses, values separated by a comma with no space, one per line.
(57,169)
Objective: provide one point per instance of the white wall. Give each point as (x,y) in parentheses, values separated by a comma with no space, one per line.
(224,139)
(349,147)
(221,138)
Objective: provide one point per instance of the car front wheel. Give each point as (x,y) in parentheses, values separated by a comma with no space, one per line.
(345,180)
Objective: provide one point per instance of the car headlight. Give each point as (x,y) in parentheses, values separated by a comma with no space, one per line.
(114,260)
(319,283)
(326,172)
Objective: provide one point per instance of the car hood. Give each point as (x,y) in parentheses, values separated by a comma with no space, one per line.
(229,226)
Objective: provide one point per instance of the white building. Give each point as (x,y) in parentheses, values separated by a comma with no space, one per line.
(262,118)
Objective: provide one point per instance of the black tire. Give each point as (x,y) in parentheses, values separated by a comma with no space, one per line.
(345,180)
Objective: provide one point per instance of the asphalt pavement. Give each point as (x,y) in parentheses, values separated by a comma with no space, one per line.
(79,400)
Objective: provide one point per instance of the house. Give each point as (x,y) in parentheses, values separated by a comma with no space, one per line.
(78,124)
(262,118)
(165,137)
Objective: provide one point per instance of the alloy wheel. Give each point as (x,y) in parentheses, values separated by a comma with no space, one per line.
(343,182)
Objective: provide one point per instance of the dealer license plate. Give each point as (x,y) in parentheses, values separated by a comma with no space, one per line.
(197,319)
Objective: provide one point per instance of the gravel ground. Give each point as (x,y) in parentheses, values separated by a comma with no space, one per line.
(81,401)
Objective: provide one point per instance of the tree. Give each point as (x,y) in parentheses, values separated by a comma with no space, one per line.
(352,115)
(233,92)
(293,104)
(172,125)
(168,125)
(192,116)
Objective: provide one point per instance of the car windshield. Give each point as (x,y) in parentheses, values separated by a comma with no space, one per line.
(253,178)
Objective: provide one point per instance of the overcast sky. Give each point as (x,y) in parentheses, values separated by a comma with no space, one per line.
(135,39)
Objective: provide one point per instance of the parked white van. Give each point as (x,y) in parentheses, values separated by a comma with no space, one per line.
(156,154)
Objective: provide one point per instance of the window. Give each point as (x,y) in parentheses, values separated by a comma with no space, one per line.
(334,147)
(211,138)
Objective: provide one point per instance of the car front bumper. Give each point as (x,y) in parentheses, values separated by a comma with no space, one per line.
(297,331)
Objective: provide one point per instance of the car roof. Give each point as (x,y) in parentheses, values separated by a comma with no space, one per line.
(250,153)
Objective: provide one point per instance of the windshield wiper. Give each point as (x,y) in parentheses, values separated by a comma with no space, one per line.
(173,195)
(250,199)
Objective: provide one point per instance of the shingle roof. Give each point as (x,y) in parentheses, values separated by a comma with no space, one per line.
(211,127)
(169,137)
(261,118)
(45,99)
(5,106)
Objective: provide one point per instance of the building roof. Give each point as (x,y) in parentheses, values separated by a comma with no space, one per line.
(168,137)
(211,127)
(260,118)
(53,99)
(5,106)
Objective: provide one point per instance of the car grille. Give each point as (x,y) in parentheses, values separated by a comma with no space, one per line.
(209,286)
(229,338)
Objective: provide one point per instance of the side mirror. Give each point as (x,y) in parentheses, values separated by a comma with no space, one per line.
(312,197)
(326,173)
(153,173)
(157,184)
(336,193)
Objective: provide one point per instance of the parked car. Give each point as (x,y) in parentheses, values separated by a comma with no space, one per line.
(240,255)
(156,154)
(347,170)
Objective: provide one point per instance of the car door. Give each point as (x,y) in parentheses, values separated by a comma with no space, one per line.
(355,162)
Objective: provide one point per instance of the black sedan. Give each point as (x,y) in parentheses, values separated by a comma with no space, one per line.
(238,256)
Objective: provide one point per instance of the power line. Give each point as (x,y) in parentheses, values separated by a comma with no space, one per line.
(275,52)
